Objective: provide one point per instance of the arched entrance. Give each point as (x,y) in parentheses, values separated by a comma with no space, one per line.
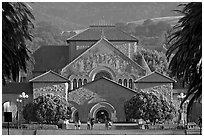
(103,110)
(102,115)
(74,113)
(10,107)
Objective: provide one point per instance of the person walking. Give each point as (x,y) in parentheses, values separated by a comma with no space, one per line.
(88,123)
(79,124)
(76,121)
(106,123)
(109,124)
(92,122)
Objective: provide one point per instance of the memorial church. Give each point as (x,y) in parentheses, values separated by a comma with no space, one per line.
(94,72)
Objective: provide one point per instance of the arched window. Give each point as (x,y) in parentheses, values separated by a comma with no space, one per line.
(103,74)
(85,81)
(74,84)
(130,84)
(120,81)
(69,86)
(125,82)
(80,83)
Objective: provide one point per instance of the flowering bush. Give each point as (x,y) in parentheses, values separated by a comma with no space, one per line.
(47,109)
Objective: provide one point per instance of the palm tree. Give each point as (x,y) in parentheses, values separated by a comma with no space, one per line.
(16,26)
(185,51)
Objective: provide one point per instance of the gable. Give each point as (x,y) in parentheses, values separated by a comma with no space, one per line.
(101,90)
(49,76)
(103,53)
(155,77)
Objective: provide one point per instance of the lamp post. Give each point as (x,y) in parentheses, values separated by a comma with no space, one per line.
(19,110)
(185,111)
(23,96)
(181,116)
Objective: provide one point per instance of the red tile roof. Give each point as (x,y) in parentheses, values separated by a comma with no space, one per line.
(49,76)
(155,77)
(111,33)
(51,58)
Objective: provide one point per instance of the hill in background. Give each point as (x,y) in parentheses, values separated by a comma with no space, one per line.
(56,21)
(78,15)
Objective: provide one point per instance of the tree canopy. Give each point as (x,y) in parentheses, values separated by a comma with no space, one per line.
(156,61)
(185,50)
(47,109)
(149,106)
(16,25)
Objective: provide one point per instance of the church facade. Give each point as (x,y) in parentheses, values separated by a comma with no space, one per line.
(94,72)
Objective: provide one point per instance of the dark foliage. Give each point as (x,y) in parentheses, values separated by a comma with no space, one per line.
(149,106)
(16,26)
(185,50)
(47,109)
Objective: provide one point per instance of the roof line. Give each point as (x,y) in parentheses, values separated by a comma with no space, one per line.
(50,71)
(145,61)
(128,34)
(81,54)
(78,34)
(143,77)
(39,76)
(165,76)
(111,45)
(151,74)
(123,54)
(107,80)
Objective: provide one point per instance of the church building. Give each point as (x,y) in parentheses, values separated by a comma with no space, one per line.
(94,72)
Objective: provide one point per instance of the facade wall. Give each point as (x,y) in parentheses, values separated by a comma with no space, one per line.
(106,92)
(49,88)
(103,57)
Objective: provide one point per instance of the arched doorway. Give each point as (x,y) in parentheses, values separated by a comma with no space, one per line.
(76,116)
(103,108)
(102,115)
(10,107)
(103,74)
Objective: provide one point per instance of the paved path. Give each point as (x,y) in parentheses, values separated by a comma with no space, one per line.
(99,129)
(111,132)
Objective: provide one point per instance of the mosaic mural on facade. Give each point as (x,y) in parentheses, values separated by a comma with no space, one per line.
(82,95)
(58,89)
(101,56)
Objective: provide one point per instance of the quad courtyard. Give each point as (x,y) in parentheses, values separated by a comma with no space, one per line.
(95,74)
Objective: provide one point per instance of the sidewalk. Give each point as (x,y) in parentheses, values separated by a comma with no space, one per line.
(94,132)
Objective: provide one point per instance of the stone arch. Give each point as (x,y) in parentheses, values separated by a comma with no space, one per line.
(85,81)
(120,81)
(93,73)
(80,82)
(75,83)
(130,84)
(74,110)
(106,106)
(125,82)
(103,74)
(9,106)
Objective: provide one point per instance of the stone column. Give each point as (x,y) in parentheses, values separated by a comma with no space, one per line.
(135,47)
(129,49)
(71,84)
